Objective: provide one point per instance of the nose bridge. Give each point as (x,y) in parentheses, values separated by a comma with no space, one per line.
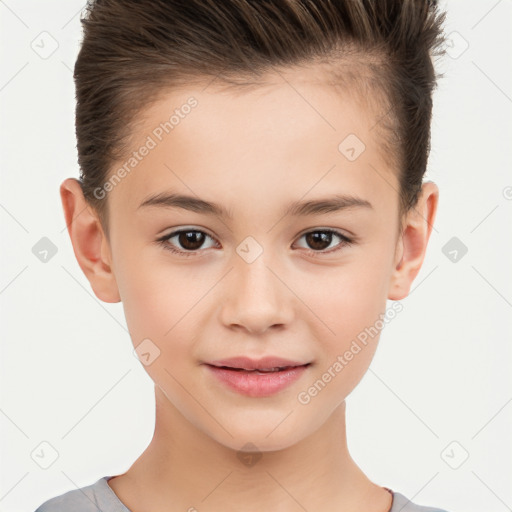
(255,276)
(256,298)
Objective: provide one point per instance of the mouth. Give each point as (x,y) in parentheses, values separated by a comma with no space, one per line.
(264,364)
(261,371)
(257,378)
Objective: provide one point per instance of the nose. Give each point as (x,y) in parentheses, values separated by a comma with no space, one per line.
(255,297)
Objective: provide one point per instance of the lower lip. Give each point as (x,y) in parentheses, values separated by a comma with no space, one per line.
(257,384)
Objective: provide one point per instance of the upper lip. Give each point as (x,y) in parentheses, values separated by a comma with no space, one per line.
(265,363)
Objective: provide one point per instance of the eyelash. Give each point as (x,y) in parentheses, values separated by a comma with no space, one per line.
(345,241)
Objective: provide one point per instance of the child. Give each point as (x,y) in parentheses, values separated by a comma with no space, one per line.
(266,129)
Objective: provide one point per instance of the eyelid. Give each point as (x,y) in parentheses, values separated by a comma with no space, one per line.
(338,231)
(174,231)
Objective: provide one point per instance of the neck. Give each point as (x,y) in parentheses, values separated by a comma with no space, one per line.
(188,470)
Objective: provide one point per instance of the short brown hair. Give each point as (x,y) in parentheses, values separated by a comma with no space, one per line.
(133,50)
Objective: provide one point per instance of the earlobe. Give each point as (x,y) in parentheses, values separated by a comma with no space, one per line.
(90,245)
(414,241)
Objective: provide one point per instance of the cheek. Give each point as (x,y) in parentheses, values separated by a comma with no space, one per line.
(158,311)
(156,300)
(348,302)
(347,298)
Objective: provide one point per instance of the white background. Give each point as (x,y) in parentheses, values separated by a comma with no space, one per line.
(442,371)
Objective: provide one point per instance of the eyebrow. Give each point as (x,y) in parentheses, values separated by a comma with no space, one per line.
(329,204)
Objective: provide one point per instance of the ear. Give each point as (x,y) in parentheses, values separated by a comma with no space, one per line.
(412,245)
(90,244)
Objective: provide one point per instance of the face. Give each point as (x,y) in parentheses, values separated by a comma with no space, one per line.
(267,269)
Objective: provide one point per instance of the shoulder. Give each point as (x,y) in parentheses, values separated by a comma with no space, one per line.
(403,504)
(94,497)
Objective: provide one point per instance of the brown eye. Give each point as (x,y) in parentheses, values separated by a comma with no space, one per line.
(321,239)
(188,242)
(191,240)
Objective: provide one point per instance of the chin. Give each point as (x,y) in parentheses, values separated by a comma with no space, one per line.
(255,437)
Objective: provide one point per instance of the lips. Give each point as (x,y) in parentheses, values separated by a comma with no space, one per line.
(257,378)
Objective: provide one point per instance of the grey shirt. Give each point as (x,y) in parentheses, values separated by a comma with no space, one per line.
(100,497)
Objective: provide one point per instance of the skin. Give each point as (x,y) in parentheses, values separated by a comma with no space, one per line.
(252,153)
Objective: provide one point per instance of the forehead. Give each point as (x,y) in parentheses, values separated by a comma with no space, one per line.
(293,133)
